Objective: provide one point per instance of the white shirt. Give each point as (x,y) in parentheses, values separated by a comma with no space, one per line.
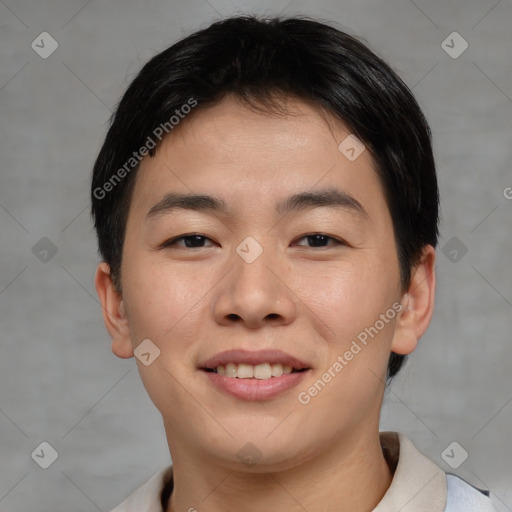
(418,485)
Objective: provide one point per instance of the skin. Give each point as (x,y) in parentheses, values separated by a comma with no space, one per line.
(308,301)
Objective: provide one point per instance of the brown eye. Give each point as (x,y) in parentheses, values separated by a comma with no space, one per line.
(320,240)
(191,241)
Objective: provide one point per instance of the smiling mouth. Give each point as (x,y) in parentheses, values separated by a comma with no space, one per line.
(261,371)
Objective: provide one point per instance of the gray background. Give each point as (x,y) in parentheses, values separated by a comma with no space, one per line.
(59,381)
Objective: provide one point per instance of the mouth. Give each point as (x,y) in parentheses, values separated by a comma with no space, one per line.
(262,371)
(251,375)
(262,364)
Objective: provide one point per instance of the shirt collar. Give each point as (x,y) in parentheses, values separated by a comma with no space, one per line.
(418,484)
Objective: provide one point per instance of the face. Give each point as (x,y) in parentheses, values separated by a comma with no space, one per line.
(251,281)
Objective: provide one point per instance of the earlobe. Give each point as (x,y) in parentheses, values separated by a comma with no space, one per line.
(114,314)
(418,305)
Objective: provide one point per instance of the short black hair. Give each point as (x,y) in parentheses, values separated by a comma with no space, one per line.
(258,60)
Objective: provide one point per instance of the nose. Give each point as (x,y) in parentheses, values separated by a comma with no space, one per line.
(256,293)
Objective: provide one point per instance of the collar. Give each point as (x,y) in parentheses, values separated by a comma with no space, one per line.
(418,484)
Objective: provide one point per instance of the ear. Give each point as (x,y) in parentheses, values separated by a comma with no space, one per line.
(417,303)
(113,312)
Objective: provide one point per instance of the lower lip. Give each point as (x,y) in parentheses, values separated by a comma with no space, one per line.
(256,389)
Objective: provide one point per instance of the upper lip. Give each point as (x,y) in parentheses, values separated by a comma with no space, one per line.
(257,357)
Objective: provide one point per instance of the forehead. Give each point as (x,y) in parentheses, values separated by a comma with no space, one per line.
(253,126)
(250,156)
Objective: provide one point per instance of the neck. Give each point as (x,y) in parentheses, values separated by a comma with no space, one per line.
(352,476)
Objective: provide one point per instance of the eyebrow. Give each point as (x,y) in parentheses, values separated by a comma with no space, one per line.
(329,197)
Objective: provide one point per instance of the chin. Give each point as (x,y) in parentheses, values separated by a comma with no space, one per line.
(262,454)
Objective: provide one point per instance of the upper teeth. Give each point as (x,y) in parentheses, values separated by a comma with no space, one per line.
(250,371)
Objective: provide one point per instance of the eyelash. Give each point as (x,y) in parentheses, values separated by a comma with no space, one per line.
(172,241)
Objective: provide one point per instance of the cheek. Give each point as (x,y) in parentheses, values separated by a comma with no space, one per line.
(347,299)
(165,306)
(347,309)
(162,300)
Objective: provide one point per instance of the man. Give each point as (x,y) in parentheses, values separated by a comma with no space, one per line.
(266,206)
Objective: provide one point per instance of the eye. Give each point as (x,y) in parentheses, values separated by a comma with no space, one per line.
(193,240)
(320,239)
(196,240)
